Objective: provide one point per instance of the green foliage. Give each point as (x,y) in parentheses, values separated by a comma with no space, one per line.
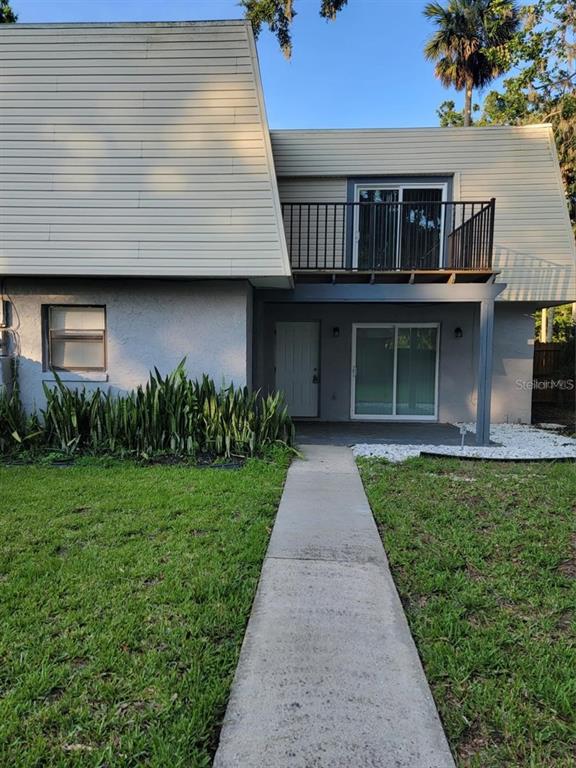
(469,45)
(170,414)
(483,556)
(564,324)
(125,595)
(7,15)
(17,431)
(12,417)
(450,117)
(278,15)
(544,89)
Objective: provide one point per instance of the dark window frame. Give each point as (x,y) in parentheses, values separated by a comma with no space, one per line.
(95,336)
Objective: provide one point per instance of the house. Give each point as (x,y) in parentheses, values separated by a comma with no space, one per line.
(148,214)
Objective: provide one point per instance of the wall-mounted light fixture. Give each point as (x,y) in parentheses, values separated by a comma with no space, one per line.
(335,332)
(458,333)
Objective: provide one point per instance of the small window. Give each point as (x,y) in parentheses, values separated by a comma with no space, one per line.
(76,338)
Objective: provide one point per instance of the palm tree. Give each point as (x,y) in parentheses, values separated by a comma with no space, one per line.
(469,43)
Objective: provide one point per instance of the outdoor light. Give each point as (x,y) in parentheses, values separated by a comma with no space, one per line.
(458,333)
(335,332)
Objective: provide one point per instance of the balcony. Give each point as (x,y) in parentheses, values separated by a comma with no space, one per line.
(390,238)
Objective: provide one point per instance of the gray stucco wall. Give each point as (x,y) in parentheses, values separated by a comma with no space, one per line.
(149,323)
(157,323)
(513,362)
(458,356)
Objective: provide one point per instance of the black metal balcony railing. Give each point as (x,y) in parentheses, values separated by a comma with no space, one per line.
(382,237)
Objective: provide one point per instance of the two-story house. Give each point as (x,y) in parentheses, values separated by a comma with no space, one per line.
(148,214)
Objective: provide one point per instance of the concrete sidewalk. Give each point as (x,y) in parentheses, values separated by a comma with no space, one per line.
(329,676)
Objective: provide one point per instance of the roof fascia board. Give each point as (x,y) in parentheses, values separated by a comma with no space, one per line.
(268,148)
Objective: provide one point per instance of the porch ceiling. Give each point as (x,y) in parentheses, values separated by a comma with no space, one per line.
(386,292)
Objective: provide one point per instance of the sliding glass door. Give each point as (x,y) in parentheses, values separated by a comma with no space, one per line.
(395,371)
(378,226)
(374,371)
(399,227)
(416,353)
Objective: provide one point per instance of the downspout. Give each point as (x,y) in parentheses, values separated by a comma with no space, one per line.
(6,339)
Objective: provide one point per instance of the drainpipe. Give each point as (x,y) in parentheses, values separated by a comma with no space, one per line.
(6,339)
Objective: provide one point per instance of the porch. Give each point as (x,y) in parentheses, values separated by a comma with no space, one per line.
(372,433)
(399,355)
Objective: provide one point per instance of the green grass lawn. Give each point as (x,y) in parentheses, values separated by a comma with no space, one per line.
(124,596)
(484,557)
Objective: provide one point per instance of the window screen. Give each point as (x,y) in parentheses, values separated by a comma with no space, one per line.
(77,338)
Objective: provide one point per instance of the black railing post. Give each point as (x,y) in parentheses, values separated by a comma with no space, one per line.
(299,233)
(343,241)
(334,238)
(374,215)
(325,235)
(317,225)
(308,237)
(291,249)
(491,232)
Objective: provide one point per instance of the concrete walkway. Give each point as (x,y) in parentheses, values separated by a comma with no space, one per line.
(329,676)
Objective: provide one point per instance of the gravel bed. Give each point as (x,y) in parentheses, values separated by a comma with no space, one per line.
(517,442)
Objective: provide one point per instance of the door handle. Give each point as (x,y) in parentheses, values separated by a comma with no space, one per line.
(315,379)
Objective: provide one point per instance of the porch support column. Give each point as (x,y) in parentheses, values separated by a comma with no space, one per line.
(485,372)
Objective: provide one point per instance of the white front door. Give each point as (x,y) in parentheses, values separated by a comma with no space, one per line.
(297,366)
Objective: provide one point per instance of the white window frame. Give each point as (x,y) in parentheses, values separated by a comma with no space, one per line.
(393,416)
(84,334)
(442,185)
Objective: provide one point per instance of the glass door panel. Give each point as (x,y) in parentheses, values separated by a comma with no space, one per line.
(377,235)
(395,371)
(374,379)
(416,372)
(421,228)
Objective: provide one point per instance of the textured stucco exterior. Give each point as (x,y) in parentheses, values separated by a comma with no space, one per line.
(458,361)
(212,324)
(513,362)
(149,323)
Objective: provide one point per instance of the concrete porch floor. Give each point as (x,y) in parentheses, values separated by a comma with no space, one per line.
(353,432)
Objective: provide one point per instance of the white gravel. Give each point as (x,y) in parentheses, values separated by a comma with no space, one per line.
(516,441)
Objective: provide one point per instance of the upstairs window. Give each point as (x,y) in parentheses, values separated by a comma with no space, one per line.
(75,338)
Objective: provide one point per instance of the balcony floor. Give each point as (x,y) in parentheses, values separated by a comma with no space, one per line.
(416,276)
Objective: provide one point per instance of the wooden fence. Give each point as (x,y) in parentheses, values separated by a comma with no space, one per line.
(554,373)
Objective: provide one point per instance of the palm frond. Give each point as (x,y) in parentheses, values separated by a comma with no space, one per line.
(468,34)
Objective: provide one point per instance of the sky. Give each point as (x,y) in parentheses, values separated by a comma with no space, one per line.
(366,69)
